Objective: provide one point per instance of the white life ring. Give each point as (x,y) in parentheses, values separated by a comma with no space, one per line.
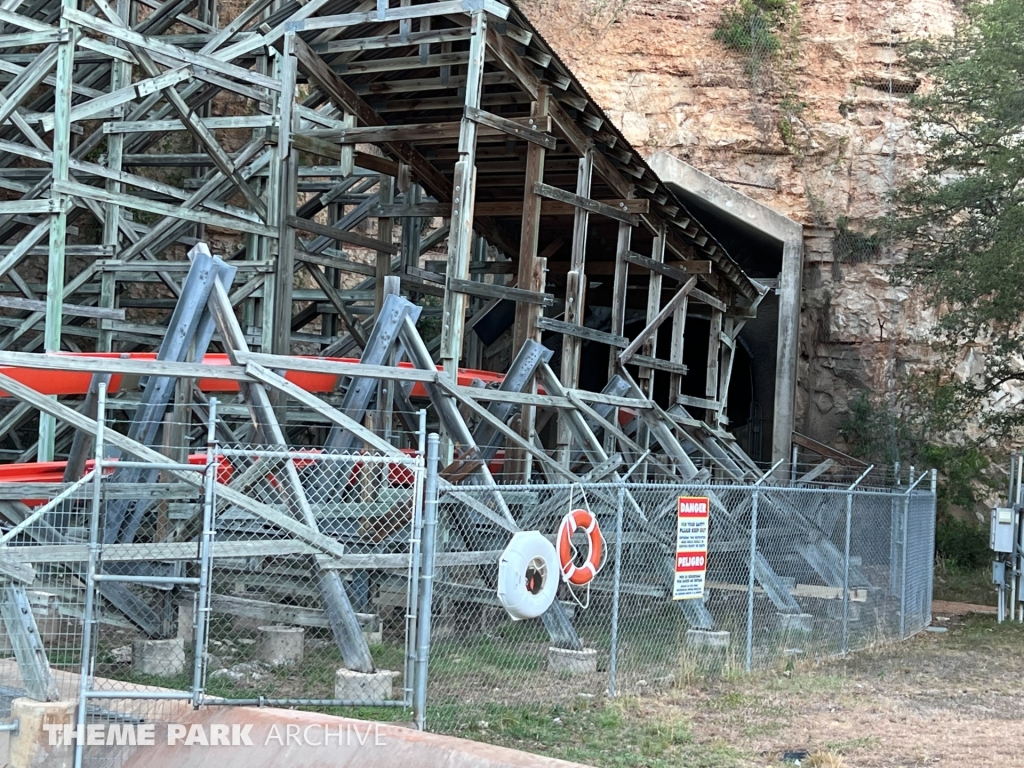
(528,575)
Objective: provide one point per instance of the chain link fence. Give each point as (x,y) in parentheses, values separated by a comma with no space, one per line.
(791,573)
(303,578)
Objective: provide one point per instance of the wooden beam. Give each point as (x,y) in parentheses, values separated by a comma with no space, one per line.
(582,332)
(520,127)
(489,291)
(342,96)
(460,238)
(530,278)
(554,193)
(76,310)
(652,327)
(714,347)
(679,271)
(306,225)
(826,450)
(535,129)
(515,208)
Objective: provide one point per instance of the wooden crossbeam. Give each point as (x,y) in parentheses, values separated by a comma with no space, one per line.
(520,127)
(341,235)
(489,291)
(515,208)
(667,310)
(680,271)
(582,332)
(554,193)
(536,129)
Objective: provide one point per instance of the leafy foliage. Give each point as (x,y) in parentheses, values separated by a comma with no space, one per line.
(961,544)
(910,434)
(752,27)
(853,247)
(963,219)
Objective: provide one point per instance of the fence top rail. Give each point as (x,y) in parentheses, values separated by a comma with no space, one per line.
(691,489)
(317,455)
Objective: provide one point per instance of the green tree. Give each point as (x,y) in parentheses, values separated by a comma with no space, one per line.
(963,218)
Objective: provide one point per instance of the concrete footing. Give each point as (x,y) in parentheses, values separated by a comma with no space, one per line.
(574,662)
(30,746)
(162,658)
(795,622)
(280,645)
(707,639)
(365,687)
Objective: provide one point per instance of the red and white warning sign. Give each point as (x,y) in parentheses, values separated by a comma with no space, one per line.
(691,548)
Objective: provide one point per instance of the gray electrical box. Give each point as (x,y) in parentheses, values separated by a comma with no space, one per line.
(1001,536)
(999,573)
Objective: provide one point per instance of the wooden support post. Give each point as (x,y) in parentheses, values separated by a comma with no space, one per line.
(730,334)
(287,162)
(714,347)
(59,220)
(675,380)
(619,291)
(385,232)
(411,225)
(460,237)
(575,297)
(531,278)
(120,77)
(650,346)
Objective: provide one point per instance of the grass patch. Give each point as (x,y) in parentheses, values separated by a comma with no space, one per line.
(852,745)
(963,585)
(616,734)
(485,656)
(983,634)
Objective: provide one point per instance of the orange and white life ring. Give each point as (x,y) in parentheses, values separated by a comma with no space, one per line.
(580,575)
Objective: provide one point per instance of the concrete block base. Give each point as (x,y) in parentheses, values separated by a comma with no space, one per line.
(795,622)
(280,645)
(162,658)
(30,747)
(573,662)
(368,687)
(707,639)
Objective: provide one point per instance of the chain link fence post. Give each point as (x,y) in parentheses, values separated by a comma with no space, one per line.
(202,603)
(846,573)
(750,578)
(427,549)
(846,559)
(912,484)
(932,521)
(88,614)
(613,652)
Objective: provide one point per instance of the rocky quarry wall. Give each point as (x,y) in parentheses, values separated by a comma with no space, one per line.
(820,133)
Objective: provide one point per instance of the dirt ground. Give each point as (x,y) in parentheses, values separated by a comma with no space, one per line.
(941,698)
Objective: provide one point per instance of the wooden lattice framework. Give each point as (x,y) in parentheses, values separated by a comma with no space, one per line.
(350,143)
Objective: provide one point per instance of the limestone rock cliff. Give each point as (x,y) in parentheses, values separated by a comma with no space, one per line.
(820,134)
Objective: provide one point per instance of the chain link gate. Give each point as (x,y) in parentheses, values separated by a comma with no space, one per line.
(277,616)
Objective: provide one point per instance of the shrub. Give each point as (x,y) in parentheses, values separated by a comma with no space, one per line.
(961,543)
(751,26)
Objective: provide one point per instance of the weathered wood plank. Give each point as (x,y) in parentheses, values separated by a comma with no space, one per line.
(489,291)
(341,235)
(582,332)
(554,193)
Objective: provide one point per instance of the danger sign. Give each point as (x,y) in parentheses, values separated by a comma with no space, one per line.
(691,548)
